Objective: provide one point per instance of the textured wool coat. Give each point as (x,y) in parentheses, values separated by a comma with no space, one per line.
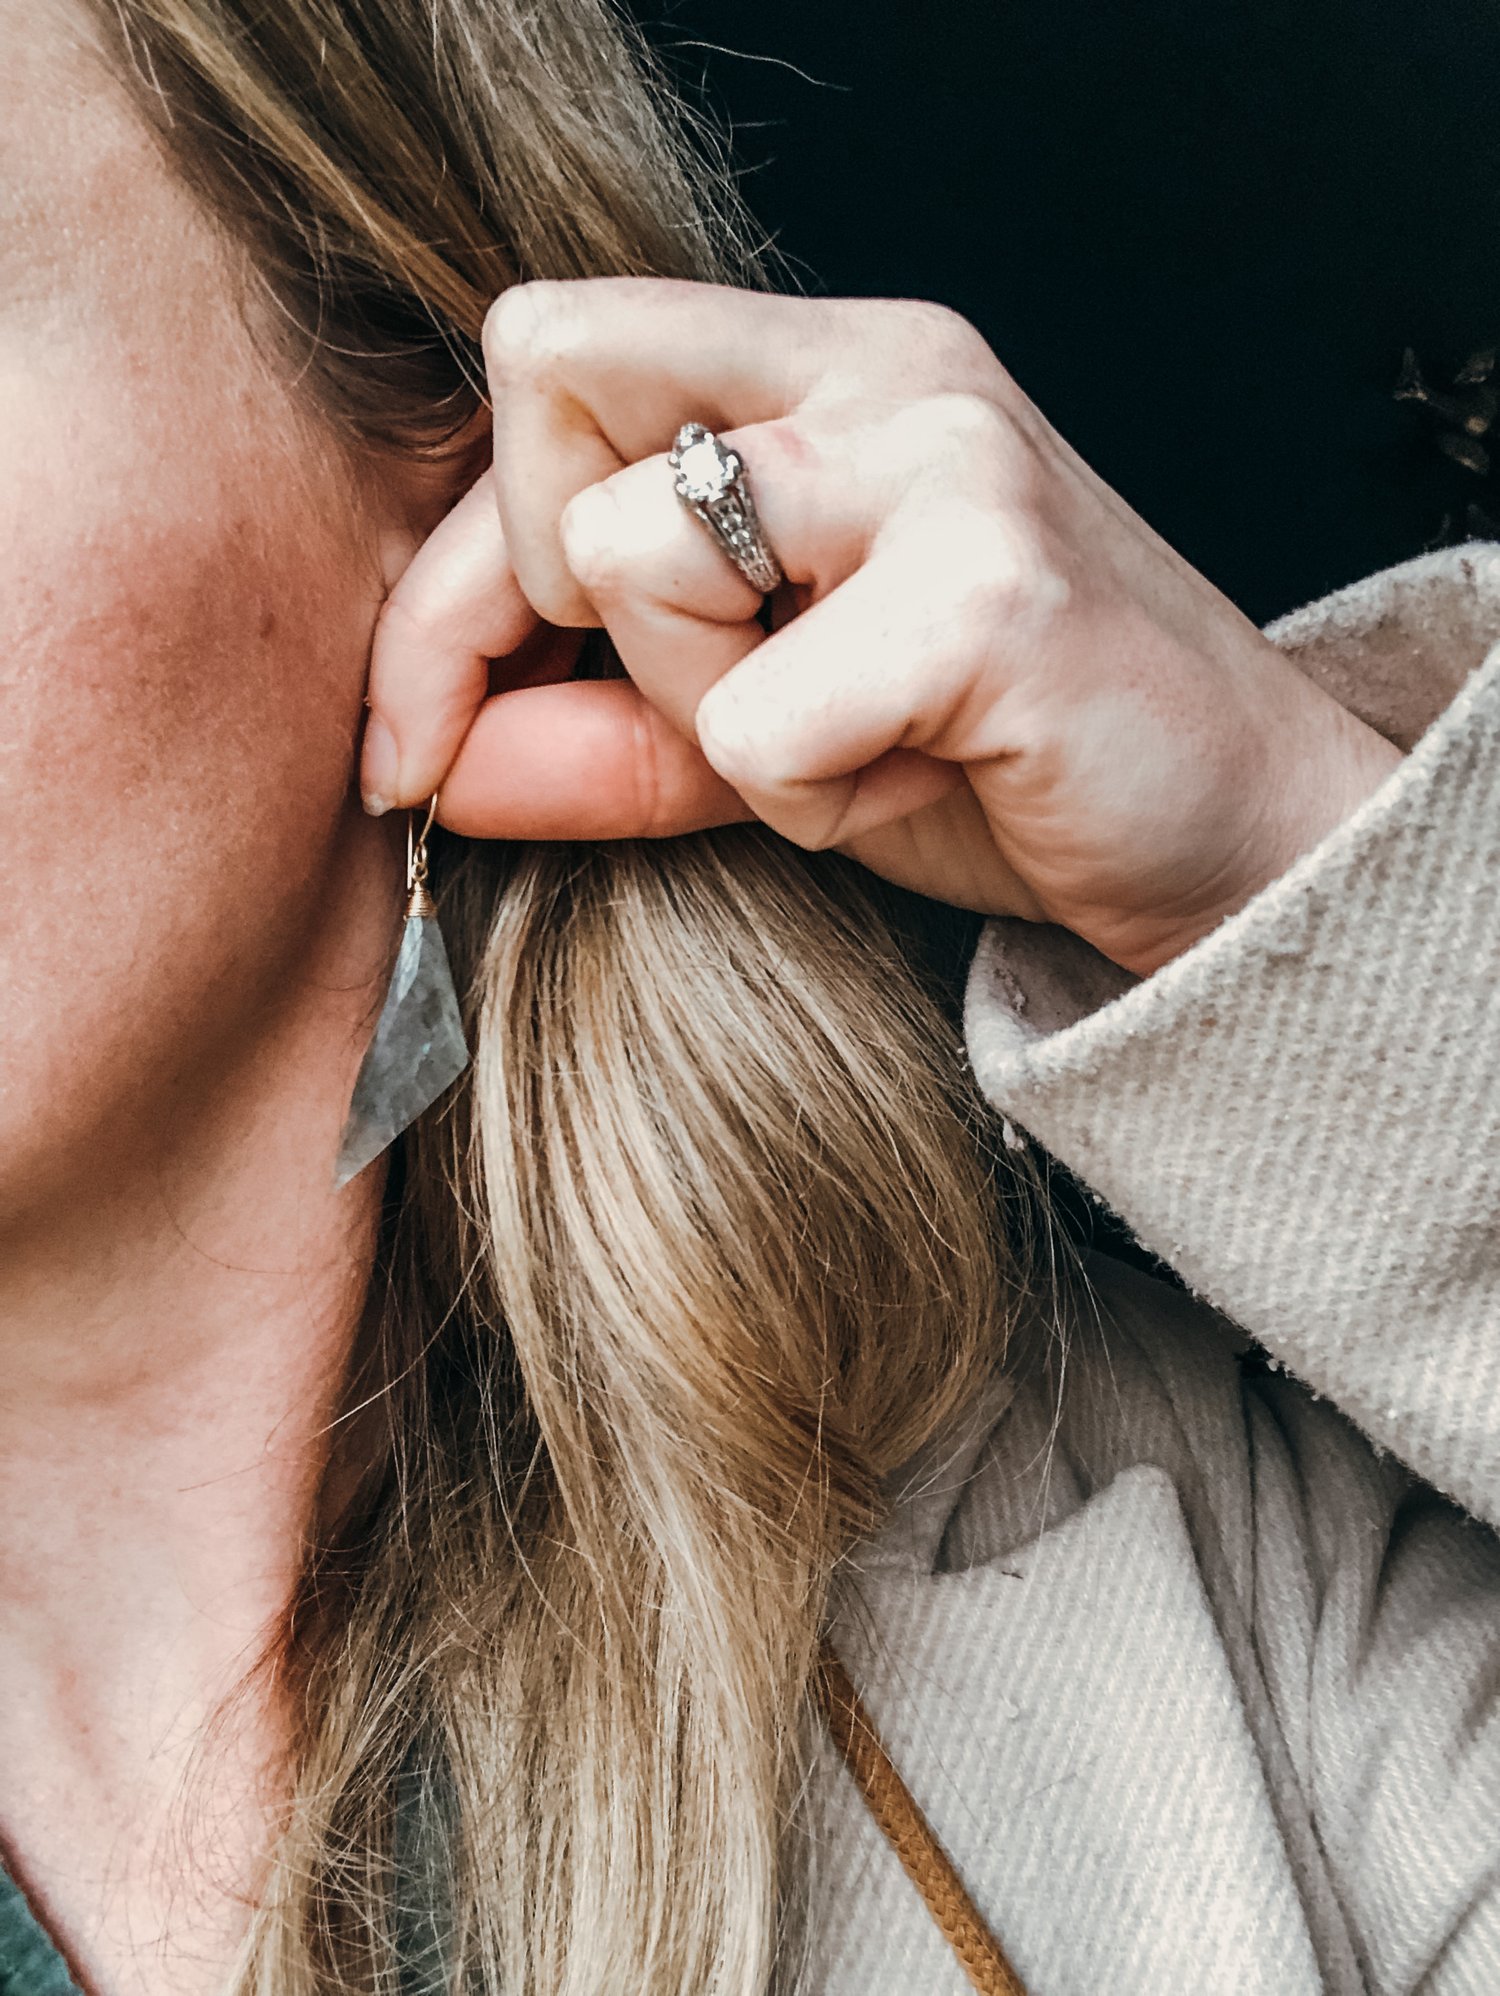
(1201,1691)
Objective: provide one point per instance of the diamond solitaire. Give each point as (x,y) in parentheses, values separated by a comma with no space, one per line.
(705,470)
(712,483)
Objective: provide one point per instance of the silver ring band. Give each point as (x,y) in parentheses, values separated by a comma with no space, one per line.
(713,484)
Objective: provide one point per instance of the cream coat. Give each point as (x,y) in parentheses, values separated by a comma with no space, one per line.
(1203,1692)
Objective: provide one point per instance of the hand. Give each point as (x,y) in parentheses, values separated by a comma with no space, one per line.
(987,679)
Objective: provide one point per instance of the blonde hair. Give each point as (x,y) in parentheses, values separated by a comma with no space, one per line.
(708,1243)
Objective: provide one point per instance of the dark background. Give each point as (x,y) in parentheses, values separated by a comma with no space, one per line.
(1199,233)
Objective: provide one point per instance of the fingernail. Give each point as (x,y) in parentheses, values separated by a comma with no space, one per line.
(379,767)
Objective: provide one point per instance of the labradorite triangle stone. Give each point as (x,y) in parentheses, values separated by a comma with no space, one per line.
(417,1051)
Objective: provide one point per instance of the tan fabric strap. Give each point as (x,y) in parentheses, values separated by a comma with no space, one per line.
(905,1828)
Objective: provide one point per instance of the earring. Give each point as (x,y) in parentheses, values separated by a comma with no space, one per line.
(419,1048)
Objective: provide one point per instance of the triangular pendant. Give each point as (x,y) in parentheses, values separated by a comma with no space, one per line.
(418,1049)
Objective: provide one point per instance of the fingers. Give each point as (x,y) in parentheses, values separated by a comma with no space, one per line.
(828,730)
(578,525)
(677,609)
(456,606)
(858,712)
(614,759)
(631,351)
(589,760)
(590,375)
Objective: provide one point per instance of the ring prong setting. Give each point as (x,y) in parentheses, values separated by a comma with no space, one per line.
(711,481)
(706,471)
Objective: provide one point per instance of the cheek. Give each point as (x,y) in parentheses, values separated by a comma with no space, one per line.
(197,662)
(185,608)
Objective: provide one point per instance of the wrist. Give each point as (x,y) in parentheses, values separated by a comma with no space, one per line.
(1342,763)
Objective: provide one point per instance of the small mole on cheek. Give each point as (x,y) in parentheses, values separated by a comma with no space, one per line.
(267,621)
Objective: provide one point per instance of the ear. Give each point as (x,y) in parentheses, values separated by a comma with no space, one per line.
(420,490)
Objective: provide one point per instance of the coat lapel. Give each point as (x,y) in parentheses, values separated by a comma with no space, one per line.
(1067,1721)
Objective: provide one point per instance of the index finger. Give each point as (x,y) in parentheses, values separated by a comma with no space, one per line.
(630,351)
(588,375)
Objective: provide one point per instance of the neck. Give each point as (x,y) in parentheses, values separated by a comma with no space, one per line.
(165,1417)
(174,1341)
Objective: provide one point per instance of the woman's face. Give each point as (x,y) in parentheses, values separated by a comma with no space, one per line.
(187,589)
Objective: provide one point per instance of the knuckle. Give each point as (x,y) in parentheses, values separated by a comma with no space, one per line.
(951,333)
(977,480)
(1008,572)
(525,327)
(650,813)
(951,348)
(991,569)
(954,441)
(904,346)
(968,425)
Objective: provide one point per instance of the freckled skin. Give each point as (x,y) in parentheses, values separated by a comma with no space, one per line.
(195,929)
(185,599)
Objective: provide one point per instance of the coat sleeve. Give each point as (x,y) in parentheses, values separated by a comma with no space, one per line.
(1301,1114)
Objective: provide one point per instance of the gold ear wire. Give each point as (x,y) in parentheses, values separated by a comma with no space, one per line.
(418,901)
